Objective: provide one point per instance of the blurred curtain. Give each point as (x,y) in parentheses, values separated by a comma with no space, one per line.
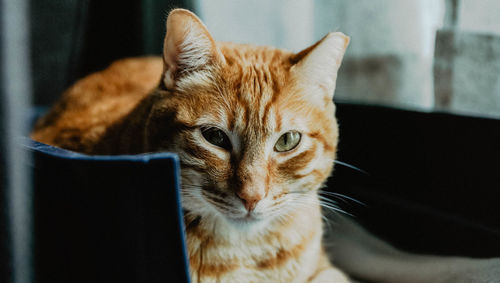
(4,252)
(15,184)
(389,60)
(426,54)
(467,59)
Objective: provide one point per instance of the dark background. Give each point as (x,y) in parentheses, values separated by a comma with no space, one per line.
(432,183)
(71,39)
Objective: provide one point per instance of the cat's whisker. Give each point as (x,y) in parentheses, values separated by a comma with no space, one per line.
(336,209)
(323,202)
(224,209)
(341,197)
(306,203)
(327,199)
(350,166)
(214,199)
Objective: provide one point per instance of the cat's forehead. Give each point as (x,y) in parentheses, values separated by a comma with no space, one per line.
(256,79)
(255,74)
(248,54)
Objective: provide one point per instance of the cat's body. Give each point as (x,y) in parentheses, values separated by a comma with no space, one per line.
(256,134)
(286,253)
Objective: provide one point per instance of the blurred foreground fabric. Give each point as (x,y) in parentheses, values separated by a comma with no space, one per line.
(106,218)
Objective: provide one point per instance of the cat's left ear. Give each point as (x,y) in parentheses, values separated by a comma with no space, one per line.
(317,65)
(188,48)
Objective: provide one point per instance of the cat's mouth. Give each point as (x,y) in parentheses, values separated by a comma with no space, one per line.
(229,208)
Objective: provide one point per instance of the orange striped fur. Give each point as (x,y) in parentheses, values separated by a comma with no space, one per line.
(252,213)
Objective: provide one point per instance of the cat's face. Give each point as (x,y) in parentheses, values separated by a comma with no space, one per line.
(254,127)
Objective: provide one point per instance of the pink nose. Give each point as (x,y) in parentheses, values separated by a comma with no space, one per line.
(249,200)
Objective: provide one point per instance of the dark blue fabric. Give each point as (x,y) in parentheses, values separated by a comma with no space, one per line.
(107,218)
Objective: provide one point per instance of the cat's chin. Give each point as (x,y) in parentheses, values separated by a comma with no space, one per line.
(246,221)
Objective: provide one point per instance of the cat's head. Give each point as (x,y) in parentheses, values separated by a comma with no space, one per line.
(254,127)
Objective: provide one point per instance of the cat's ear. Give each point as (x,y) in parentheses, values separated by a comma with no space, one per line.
(188,47)
(317,65)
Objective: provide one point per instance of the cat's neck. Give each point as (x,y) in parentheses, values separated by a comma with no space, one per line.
(221,247)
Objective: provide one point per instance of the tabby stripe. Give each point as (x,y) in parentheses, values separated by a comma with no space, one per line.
(278,121)
(285,254)
(205,244)
(267,108)
(192,148)
(319,137)
(214,269)
(231,118)
(276,84)
(193,167)
(256,85)
(316,173)
(207,191)
(298,162)
(243,106)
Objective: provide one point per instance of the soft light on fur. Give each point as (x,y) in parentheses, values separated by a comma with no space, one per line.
(254,94)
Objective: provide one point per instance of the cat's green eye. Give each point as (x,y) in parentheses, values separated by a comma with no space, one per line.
(287,141)
(216,137)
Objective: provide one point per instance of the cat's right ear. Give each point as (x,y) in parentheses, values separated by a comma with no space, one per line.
(188,48)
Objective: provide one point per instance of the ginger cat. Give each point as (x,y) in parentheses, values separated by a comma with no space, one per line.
(256,134)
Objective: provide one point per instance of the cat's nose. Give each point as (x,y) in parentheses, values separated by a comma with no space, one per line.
(249,200)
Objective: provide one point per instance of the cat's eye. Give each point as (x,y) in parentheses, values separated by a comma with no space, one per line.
(287,141)
(216,137)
